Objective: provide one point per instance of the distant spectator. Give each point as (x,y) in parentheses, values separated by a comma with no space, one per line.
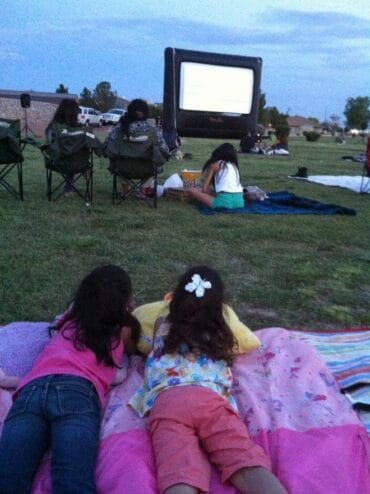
(282,142)
(134,123)
(280,147)
(172,139)
(247,143)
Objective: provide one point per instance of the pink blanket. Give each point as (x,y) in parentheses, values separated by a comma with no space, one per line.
(291,405)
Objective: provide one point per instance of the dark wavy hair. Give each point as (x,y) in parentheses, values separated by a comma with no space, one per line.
(226,153)
(66,114)
(99,311)
(197,324)
(137,110)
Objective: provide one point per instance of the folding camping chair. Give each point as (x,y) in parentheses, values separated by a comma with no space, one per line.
(11,156)
(365,180)
(70,156)
(134,161)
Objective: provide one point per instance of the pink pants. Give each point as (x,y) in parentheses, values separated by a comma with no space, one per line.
(192,425)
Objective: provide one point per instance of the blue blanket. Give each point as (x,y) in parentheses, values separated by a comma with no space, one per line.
(283,202)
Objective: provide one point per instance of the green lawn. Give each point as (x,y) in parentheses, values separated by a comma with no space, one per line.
(291,271)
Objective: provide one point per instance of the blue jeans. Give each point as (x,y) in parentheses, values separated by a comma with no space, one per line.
(57,411)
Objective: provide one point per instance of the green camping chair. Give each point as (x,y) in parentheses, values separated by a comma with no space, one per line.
(135,160)
(11,157)
(70,157)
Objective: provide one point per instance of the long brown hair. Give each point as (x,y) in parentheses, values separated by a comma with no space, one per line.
(197,323)
(66,114)
(137,111)
(99,310)
(225,152)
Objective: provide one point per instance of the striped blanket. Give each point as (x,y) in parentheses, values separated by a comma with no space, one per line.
(347,354)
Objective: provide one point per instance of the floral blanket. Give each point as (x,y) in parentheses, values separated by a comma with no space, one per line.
(288,399)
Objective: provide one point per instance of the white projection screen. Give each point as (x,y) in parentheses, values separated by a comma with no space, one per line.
(215,88)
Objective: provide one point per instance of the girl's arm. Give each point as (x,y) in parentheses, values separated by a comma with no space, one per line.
(128,340)
(212,170)
(157,323)
(130,332)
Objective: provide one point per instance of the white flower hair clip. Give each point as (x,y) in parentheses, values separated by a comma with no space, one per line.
(198,285)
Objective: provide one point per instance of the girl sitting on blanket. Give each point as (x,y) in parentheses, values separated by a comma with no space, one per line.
(222,172)
(59,402)
(187,393)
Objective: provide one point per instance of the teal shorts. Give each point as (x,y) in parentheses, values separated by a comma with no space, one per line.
(228,200)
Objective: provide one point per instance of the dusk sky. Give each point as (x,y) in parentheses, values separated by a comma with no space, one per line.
(315,53)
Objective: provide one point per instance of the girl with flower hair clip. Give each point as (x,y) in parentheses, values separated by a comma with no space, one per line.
(193,417)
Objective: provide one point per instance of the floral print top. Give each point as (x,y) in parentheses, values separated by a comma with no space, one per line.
(184,368)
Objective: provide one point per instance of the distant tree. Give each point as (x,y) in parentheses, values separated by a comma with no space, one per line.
(269,116)
(263,117)
(272,114)
(86,98)
(282,127)
(62,89)
(334,123)
(279,121)
(104,97)
(313,120)
(156,110)
(357,112)
(326,126)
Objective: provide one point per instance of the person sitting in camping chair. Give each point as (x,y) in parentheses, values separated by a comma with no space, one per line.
(68,151)
(66,116)
(132,125)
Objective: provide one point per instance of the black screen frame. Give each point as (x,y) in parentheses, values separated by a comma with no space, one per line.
(192,123)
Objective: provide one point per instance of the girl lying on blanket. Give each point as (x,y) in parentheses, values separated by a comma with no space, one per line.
(60,399)
(222,172)
(187,394)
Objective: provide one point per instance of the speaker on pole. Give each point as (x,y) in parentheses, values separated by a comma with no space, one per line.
(25,100)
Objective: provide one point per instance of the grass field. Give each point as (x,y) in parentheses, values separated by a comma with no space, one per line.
(298,271)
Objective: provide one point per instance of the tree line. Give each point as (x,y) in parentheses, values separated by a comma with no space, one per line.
(356,111)
(103,98)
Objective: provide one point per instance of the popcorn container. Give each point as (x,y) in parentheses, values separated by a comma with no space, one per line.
(191,178)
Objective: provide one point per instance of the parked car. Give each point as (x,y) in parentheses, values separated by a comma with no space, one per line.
(112,116)
(90,116)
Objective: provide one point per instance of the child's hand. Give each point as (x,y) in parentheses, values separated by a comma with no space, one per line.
(130,305)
